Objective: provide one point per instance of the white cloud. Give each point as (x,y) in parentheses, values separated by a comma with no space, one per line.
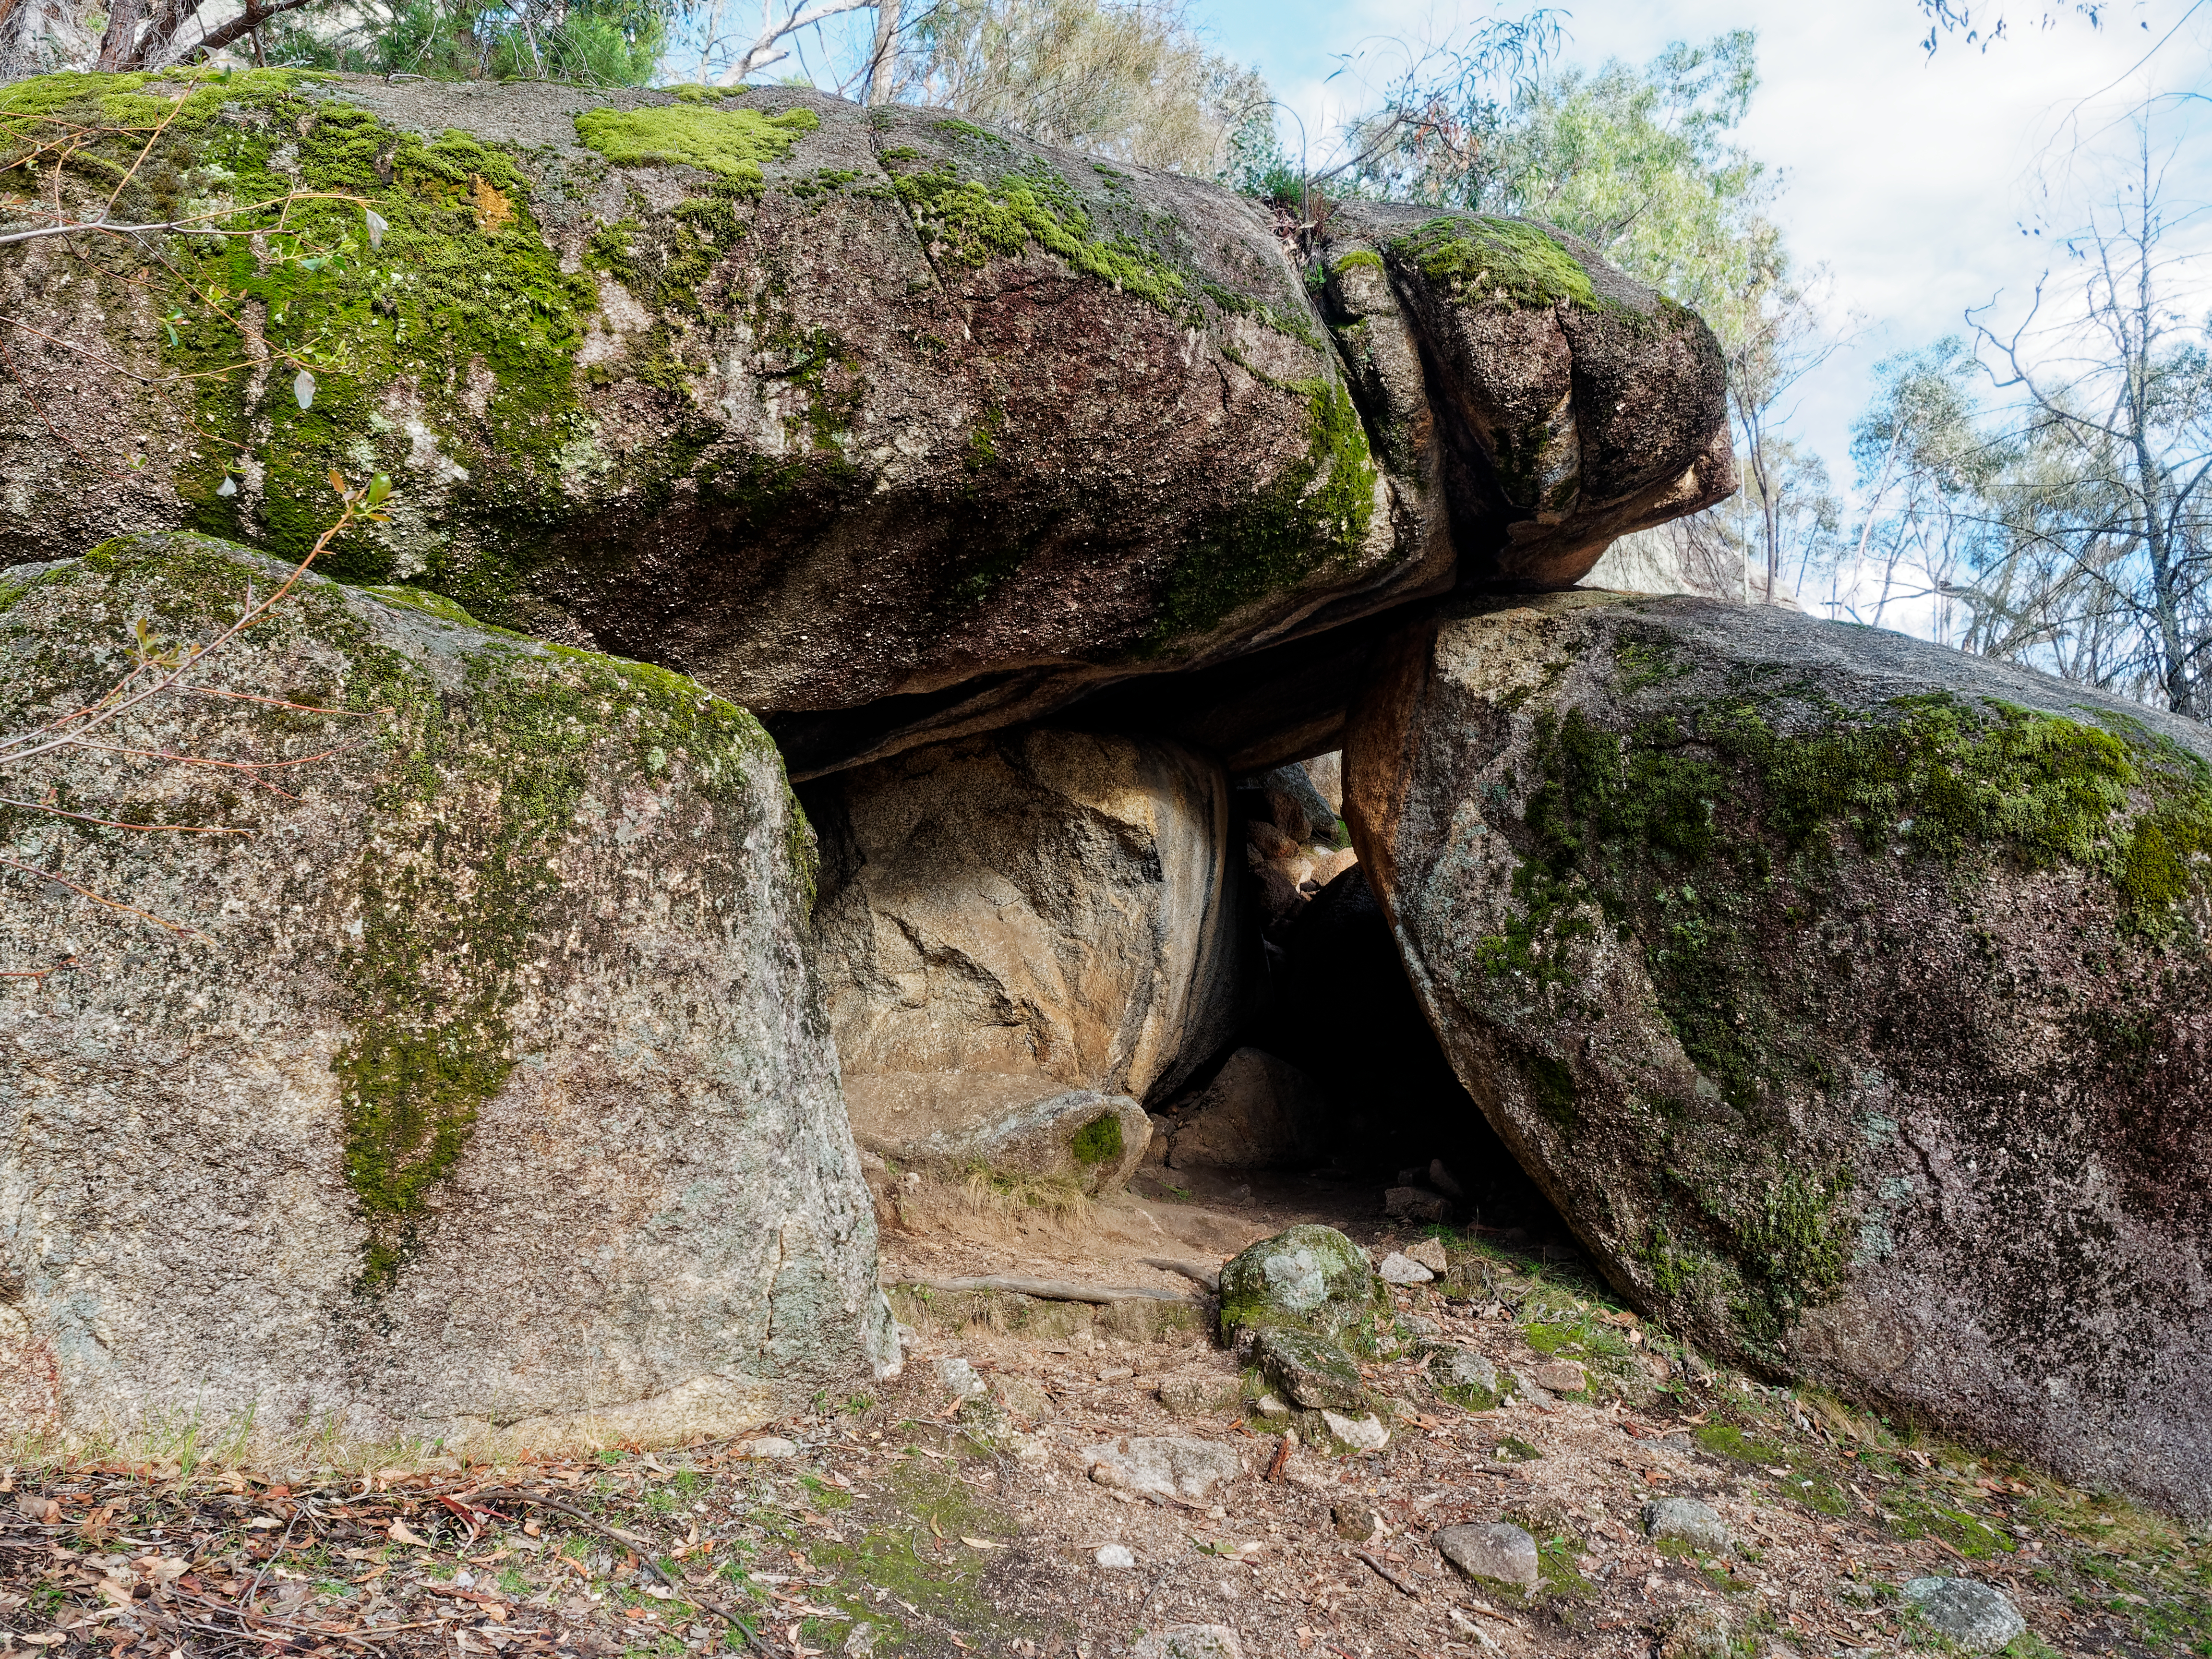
(1909,177)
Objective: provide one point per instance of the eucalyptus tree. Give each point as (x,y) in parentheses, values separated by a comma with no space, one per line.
(1927,474)
(2106,520)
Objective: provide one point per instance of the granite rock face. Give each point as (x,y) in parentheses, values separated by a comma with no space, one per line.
(1006,919)
(1566,404)
(890,428)
(488,1096)
(1850,996)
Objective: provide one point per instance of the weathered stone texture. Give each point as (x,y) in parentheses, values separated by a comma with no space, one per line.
(1007,918)
(867,405)
(1849,995)
(489,1095)
(1567,404)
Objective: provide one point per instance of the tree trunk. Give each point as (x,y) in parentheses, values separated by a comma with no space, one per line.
(117,46)
(883,63)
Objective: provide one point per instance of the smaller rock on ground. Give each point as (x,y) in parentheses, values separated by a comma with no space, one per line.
(1416,1203)
(1685,1520)
(1974,1615)
(1398,1268)
(1173,1466)
(1116,1557)
(1361,1433)
(1189,1641)
(768,1446)
(1430,1253)
(1526,1385)
(959,1378)
(1464,1375)
(1310,1371)
(1353,1521)
(1561,1376)
(1498,1551)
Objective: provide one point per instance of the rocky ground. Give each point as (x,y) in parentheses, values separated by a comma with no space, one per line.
(962,1509)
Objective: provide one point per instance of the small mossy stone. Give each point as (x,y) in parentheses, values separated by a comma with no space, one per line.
(1496,1552)
(1979,1619)
(1311,1370)
(1464,1377)
(1309,1278)
(1684,1521)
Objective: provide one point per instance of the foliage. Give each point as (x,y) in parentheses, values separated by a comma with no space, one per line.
(1923,466)
(595,42)
(1130,81)
(2065,527)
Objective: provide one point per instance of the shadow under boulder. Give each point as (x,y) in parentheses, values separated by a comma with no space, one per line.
(1344,1014)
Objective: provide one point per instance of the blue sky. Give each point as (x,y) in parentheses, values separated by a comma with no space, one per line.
(1909,177)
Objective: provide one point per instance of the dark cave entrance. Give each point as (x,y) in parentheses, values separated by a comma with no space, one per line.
(1333,1000)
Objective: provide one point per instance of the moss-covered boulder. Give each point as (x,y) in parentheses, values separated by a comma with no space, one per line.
(820,404)
(1566,404)
(1307,1278)
(478,1091)
(1848,995)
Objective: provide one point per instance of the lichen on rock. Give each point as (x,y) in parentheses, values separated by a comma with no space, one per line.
(520,936)
(1845,993)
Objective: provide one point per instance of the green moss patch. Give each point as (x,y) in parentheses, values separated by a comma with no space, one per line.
(970,220)
(1098,1141)
(450,303)
(732,144)
(1506,262)
(1315,514)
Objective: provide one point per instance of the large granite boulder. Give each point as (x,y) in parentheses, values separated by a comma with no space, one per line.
(1006,918)
(889,427)
(486,1096)
(1850,996)
(821,404)
(1567,404)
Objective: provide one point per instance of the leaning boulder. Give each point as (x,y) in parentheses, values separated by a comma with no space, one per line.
(480,1091)
(1850,996)
(1025,918)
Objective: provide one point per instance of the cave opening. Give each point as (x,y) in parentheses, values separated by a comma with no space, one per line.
(1335,1073)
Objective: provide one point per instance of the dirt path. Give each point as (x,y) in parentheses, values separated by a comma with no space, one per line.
(915,1521)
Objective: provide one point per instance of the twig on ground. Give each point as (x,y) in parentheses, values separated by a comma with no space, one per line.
(1404,1586)
(1054,1290)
